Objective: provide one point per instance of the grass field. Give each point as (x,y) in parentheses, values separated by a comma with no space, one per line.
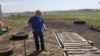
(91,17)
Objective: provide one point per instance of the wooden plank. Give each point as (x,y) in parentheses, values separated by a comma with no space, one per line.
(97,52)
(79,37)
(65,38)
(86,44)
(86,55)
(75,53)
(71,48)
(70,37)
(74,37)
(58,41)
(77,47)
(66,34)
(90,50)
(80,46)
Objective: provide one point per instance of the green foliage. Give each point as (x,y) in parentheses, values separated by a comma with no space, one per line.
(92,17)
(16,19)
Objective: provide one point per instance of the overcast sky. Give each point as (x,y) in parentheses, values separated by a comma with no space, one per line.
(47,5)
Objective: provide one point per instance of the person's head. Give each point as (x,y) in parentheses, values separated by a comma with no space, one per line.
(38,13)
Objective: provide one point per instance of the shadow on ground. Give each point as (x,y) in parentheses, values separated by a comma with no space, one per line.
(35,53)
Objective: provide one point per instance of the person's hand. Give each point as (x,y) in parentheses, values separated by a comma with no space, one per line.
(45,30)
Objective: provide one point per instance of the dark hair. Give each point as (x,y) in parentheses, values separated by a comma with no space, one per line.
(38,12)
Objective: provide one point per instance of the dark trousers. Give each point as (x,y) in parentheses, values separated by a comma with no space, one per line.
(37,36)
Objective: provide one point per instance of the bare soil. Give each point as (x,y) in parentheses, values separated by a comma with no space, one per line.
(53,25)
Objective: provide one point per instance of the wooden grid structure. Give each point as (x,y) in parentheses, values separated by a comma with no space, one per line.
(73,44)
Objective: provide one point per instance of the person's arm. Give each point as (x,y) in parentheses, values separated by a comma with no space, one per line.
(44,27)
(29,22)
(29,27)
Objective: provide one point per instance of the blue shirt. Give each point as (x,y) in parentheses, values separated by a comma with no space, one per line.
(37,23)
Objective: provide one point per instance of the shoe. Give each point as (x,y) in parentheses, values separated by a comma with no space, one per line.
(37,50)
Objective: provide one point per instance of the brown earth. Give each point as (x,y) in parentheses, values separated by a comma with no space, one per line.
(53,25)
